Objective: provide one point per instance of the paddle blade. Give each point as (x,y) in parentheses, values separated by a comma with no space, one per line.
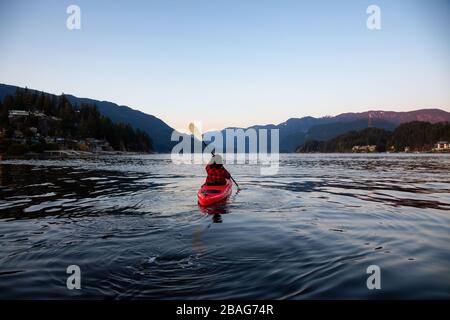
(195,131)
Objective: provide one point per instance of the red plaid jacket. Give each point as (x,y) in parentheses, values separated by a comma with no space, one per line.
(216,175)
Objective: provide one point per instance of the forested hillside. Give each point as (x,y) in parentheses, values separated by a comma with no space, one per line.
(40,121)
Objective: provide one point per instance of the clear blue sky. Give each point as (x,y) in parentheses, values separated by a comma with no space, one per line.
(232,63)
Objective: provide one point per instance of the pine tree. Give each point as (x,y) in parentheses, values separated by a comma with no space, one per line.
(39,104)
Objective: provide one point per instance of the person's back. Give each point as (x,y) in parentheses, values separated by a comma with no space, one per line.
(217,174)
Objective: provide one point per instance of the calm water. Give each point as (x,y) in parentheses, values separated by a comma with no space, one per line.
(133,226)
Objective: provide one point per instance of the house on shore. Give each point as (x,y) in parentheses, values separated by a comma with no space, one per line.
(97,145)
(442,146)
(14,114)
(17,114)
(364,149)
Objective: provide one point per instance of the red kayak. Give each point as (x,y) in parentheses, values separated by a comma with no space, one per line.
(208,195)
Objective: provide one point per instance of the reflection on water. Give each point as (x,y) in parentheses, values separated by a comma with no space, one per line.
(133,226)
(215,209)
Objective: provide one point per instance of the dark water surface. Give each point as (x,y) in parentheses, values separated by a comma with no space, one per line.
(133,226)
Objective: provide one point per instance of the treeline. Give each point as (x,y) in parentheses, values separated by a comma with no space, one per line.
(417,136)
(62,119)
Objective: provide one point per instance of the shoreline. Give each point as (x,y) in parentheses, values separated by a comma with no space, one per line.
(413,152)
(70,154)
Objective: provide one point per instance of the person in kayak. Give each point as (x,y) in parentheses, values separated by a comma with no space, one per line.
(217,174)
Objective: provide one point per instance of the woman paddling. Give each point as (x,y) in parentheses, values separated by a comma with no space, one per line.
(217,186)
(217,174)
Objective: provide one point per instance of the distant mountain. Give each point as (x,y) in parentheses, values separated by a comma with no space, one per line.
(296,131)
(424,115)
(413,136)
(6,90)
(157,129)
(324,132)
(37,122)
(345,142)
(293,132)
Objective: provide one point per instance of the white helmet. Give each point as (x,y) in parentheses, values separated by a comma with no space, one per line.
(216,159)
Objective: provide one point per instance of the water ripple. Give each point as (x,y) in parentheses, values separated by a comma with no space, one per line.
(133,226)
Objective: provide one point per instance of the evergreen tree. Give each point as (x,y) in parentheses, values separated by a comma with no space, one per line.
(82,123)
(39,104)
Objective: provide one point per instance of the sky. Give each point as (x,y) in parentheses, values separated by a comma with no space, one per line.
(229,62)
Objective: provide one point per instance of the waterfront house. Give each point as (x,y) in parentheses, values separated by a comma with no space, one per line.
(38,114)
(97,145)
(13,114)
(364,149)
(442,146)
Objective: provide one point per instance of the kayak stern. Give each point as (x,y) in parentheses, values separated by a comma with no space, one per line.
(208,195)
